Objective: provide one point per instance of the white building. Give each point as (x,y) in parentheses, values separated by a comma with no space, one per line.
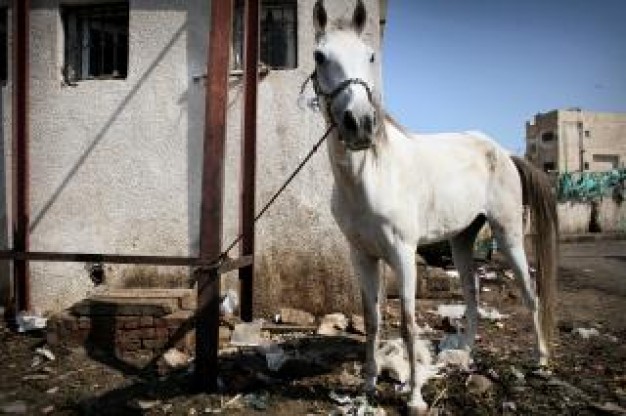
(117,113)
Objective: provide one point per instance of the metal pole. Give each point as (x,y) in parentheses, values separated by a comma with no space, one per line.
(248,158)
(20,179)
(207,314)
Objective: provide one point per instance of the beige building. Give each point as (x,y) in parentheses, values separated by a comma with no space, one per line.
(576,140)
(117,117)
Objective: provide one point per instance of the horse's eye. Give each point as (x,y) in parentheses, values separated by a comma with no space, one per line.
(372,57)
(320,58)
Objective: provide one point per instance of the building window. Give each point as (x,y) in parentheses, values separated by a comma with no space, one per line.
(278,34)
(586,166)
(548,137)
(587,134)
(548,166)
(96,41)
(532,148)
(4,62)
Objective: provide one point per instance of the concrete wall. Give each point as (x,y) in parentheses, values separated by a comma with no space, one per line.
(116,163)
(575,217)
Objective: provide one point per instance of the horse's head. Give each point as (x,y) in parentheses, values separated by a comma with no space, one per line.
(345,77)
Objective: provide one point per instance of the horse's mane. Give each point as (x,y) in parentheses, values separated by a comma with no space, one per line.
(391,120)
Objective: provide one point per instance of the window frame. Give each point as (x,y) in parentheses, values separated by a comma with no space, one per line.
(291,35)
(77,21)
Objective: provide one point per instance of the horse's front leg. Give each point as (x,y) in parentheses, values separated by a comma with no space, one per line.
(368,270)
(404,266)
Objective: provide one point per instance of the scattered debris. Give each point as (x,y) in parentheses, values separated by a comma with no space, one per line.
(491,314)
(144,404)
(453,273)
(45,352)
(275,357)
(609,408)
(357,324)
(30,322)
(257,401)
(247,334)
(391,356)
(47,410)
(17,407)
(175,358)
(354,406)
(458,358)
(509,407)
(586,333)
(229,303)
(52,390)
(478,384)
(333,324)
(451,342)
(518,375)
(294,317)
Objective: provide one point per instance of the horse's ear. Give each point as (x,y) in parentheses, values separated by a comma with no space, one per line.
(359,18)
(320,18)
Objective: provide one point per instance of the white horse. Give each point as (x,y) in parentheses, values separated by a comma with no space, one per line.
(395,191)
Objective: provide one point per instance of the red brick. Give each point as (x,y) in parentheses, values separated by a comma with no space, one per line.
(148,333)
(146,321)
(84,322)
(161,333)
(153,344)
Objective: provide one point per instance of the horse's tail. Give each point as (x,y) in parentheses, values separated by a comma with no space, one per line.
(538,195)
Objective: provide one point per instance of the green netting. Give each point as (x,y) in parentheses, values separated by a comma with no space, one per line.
(587,186)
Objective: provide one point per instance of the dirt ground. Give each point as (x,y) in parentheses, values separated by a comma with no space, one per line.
(588,375)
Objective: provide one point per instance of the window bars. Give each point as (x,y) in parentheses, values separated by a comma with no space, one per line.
(96,41)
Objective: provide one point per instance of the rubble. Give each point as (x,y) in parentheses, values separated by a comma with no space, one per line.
(229,303)
(357,325)
(175,358)
(30,321)
(478,384)
(586,333)
(333,324)
(295,317)
(247,334)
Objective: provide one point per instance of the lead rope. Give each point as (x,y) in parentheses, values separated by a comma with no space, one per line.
(224,254)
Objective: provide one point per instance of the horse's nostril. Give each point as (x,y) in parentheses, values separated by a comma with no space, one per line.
(349,121)
(368,124)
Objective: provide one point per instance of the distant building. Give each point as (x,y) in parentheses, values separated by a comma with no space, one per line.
(576,140)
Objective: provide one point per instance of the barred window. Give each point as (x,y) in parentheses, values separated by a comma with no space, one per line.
(278,34)
(96,41)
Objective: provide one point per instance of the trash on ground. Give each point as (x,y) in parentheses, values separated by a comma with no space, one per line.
(30,322)
(229,303)
(175,358)
(257,401)
(45,352)
(354,406)
(451,342)
(16,408)
(459,358)
(247,334)
(453,273)
(586,333)
(478,384)
(275,357)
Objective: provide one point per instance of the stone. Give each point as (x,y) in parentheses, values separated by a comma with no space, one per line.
(333,324)
(175,359)
(296,317)
(357,324)
(247,334)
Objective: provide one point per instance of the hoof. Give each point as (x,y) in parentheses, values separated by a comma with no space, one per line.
(417,409)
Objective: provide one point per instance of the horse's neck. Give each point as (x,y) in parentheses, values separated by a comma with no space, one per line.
(356,172)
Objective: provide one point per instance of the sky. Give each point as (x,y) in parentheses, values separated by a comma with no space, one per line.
(490,65)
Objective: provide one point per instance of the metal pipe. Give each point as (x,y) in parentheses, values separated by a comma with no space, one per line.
(248,157)
(21,160)
(207,314)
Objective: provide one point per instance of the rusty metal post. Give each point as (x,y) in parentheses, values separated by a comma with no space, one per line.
(248,157)
(20,177)
(207,314)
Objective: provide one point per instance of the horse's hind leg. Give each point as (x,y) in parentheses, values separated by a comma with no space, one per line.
(462,252)
(368,270)
(512,246)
